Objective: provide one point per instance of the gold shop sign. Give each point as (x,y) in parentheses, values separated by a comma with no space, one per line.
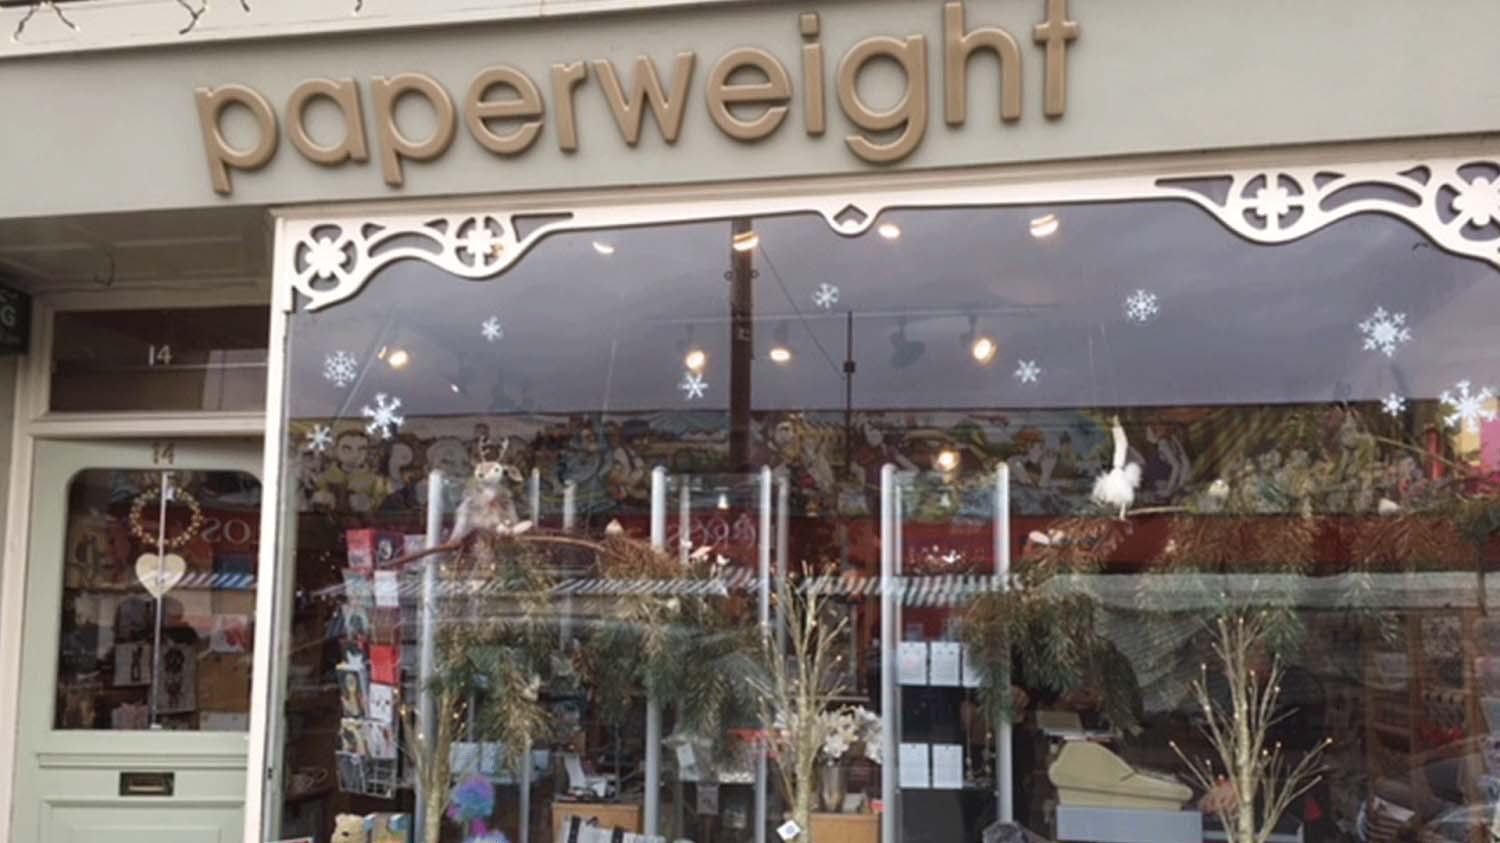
(743,109)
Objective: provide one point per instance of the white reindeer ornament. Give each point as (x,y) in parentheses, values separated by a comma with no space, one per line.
(487,503)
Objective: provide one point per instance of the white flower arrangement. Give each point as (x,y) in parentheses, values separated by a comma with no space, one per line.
(845,727)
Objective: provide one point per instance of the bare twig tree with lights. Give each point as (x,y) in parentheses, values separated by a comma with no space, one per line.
(798,686)
(1262,781)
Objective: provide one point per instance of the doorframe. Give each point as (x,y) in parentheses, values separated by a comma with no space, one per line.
(31,422)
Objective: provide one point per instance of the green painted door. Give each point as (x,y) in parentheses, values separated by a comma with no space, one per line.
(138,630)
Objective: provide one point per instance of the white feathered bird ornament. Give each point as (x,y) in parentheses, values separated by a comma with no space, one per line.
(1116,487)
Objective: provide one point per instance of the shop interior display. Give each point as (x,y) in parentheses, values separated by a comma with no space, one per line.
(1145,602)
(157,601)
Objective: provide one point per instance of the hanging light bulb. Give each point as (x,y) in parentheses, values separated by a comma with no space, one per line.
(398,358)
(947,460)
(781,349)
(695,359)
(745,241)
(1045,226)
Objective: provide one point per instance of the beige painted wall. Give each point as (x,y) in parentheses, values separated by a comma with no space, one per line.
(118,130)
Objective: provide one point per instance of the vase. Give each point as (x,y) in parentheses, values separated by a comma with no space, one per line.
(833,782)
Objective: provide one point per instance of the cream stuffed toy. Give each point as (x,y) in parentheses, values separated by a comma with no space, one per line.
(350,828)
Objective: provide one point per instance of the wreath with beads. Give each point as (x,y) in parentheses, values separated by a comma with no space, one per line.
(138,523)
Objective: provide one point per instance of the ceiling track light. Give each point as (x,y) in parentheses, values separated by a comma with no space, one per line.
(981,347)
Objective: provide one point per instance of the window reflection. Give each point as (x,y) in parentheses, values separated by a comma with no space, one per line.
(157,615)
(907,534)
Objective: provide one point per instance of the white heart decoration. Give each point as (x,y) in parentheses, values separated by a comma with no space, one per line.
(160,575)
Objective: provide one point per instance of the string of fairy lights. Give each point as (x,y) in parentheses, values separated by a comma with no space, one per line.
(195,13)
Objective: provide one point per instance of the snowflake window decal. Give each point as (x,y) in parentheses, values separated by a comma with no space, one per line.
(340,368)
(491,329)
(1385,332)
(1468,407)
(318,439)
(1142,306)
(384,418)
(826,296)
(1393,404)
(1027,371)
(693,386)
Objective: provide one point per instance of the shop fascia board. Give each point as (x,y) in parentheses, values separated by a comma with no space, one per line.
(100,25)
(1274,197)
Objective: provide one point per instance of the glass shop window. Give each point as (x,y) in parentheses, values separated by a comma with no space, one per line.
(157,613)
(181,359)
(989,524)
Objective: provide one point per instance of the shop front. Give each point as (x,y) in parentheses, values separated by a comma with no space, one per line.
(840,424)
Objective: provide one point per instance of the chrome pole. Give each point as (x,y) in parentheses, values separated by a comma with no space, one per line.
(889,788)
(653,705)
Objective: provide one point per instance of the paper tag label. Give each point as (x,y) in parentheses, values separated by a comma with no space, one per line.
(788,830)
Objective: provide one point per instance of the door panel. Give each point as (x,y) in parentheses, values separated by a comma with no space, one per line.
(135,665)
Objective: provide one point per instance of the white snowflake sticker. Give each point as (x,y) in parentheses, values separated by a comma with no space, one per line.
(340,368)
(1469,407)
(1142,306)
(383,416)
(1027,371)
(693,385)
(491,329)
(826,296)
(1393,404)
(1384,332)
(319,439)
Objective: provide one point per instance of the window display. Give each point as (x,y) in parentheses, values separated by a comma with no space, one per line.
(1087,522)
(158,601)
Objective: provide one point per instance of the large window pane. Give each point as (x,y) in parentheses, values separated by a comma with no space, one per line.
(746,522)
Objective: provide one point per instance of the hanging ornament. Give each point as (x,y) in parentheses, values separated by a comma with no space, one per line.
(160,572)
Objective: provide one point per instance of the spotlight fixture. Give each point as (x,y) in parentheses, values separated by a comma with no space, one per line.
(723,503)
(695,359)
(983,350)
(745,241)
(947,460)
(781,345)
(904,351)
(603,248)
(981,347)
(398,358)
(889,230)
(1045,226)
(456,389)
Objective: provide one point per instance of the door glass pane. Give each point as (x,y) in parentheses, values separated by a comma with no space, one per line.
(157,623)
(185,359)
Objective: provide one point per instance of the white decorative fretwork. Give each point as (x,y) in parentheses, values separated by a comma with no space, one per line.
(1455,202)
